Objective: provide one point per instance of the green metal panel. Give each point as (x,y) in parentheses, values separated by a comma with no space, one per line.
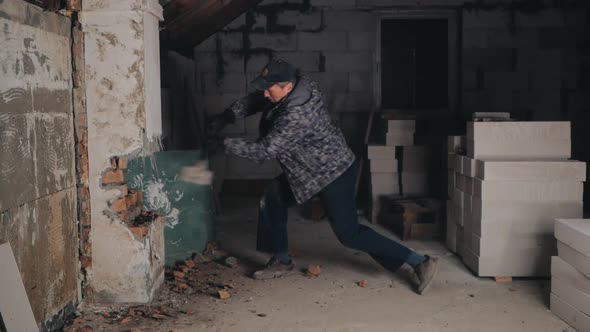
(186,206)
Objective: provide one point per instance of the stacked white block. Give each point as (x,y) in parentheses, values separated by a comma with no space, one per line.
(519,140)
(414,172)
(400,132)
(518,181)
(570,275)
(384,174)
(454,225)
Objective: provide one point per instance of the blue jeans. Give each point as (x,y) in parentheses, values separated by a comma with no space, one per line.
(339,202)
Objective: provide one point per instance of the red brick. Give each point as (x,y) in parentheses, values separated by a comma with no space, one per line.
(86,261)
(113,177)
(119,205)
(122,164)
(139,231)
(139,197)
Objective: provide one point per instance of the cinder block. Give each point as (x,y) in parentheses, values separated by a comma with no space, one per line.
(575,233)
(300,20)
(569,314)
(321,41)
(460,182)
(383,166)
(467,230)
(459,241)
(384,184)
(528,190)
(399,139)
(360,82)
(468,166)
(350,20)
(273,41)
(518,217)
(574,258)
(361,41)
(381,152)
(348,61)
(568,170)
(401,125)
(562,270)
(415,183)
(498,115)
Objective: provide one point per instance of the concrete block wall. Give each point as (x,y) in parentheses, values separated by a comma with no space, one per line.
(529,63)
(38,193)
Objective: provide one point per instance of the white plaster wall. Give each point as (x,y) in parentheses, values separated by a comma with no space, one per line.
(123,98)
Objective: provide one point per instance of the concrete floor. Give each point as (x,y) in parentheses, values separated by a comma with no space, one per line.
(458,301)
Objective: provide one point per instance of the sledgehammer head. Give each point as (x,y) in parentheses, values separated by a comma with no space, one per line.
(197,174)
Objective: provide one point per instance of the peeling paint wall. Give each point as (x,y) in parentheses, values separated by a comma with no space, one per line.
(121,51)
(37,168)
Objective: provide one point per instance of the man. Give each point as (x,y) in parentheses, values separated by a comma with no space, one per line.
(296,129)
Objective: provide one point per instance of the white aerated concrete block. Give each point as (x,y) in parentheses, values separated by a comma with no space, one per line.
(451,239)
(451,161)
(566,170)
(460,182)
(518,131)
(401,125)
(494,245)
(530,262)
(454,144)
(459,241)
(414,159)
(574,258)
(415,183)
(468,166)
(520,150)
(380,152)
(514,217)
(497,115)
(468,185)
(451,183)
(528,191)
(459,164)
(569,314)
(575,233)
(384,184)
(399,139)
(571,295)
(383,165)
(562,270)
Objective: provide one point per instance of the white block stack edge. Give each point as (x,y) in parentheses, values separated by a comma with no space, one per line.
(455,211)
(570,273)
(384,175)
(513,194)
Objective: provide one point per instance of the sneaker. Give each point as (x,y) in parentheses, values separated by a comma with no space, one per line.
(426,272)
(274,269)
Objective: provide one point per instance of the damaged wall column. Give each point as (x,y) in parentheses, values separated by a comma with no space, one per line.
(121,47)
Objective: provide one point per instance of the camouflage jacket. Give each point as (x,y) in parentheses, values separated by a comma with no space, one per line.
(300,134)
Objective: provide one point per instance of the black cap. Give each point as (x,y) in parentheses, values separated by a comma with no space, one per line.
(276,71)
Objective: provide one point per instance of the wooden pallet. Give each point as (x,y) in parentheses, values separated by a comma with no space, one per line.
(503,280)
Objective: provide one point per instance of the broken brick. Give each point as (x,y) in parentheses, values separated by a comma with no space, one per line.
(158,316)
(83,329)
(179,274)
(126,320)
(223,294)
(313,271)
(122,163)
(113,178)
(189,263)
(139,231)
(182,287)
(363,283)
(185,269)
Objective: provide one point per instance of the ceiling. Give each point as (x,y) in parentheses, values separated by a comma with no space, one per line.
(189,22)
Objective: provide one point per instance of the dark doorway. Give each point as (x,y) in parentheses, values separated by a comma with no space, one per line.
(414,58)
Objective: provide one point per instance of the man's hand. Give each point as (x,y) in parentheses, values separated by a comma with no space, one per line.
(216,123)
(214,144)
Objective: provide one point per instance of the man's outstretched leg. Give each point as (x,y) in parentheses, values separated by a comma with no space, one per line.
(272,234)
(339,202)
